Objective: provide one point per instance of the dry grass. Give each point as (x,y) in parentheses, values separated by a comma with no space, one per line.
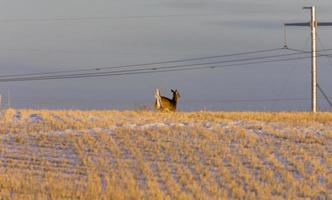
(146,155)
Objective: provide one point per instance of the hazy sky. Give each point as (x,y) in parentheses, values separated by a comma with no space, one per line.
(42,36)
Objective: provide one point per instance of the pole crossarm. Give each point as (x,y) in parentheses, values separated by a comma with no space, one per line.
(324,23)
(297,24)
(308,24)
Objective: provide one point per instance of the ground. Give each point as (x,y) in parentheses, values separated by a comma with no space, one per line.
(73,154)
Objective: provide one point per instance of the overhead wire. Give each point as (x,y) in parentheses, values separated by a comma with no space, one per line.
(38,76)
(141,71)
(95,68)
(304,51)
(153,69)
(137,71)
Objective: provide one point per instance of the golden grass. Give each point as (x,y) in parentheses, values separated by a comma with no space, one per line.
(74,154)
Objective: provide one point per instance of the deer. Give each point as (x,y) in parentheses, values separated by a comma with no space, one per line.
(165,104)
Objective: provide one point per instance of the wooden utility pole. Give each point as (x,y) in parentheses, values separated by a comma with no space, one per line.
(313,26)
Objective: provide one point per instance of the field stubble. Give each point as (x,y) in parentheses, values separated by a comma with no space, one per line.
(147,155)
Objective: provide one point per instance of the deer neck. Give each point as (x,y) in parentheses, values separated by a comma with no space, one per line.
(175,98)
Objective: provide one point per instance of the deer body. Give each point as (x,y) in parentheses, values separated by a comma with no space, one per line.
(165,104)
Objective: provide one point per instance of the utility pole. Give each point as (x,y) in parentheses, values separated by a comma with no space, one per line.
(313,26)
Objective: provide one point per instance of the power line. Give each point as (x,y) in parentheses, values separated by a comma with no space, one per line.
(158,68)
(139,71)
(94,68)
(149,70)
(304,51)
(90,69)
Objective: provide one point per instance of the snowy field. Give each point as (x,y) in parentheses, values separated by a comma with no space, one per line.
(146,155)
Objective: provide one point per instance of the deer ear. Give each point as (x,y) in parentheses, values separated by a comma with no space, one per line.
(178,93)
(172,90)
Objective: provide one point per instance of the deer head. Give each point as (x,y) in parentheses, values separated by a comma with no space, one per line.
(176,94)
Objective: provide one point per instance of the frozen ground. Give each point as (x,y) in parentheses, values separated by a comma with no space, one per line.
(172,156)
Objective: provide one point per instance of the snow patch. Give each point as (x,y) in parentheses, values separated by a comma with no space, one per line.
(17,117)
(35,118)
(153,125)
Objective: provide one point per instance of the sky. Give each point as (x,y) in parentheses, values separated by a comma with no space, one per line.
(43,36)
